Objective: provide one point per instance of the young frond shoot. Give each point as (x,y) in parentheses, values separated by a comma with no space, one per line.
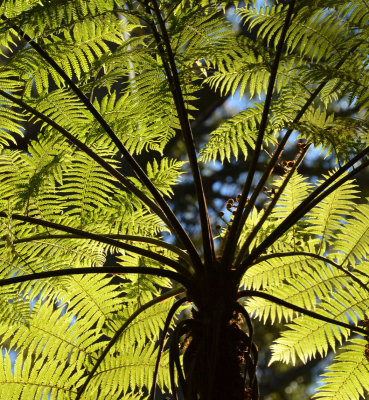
(121,275)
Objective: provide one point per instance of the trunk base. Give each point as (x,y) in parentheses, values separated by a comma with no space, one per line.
(218,355)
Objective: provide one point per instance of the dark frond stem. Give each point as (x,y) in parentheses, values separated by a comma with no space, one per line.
(270,208)
(247,318)
(175,86)
(318,257)
(127,184)
(277,153)
(181,233)
(250,365)
(312,314)
(250,369)
(305,206)
(100,238)
(119,332)
(97,270)
(132,238)
(168,320)
(231,241)
(174,353)
(254,382)
(172,381)
(173,386)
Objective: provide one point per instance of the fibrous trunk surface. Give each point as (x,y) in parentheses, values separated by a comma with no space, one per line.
(219,361)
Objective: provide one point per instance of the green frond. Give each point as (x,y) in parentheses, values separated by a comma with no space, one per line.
(28,379)
(73,324)
(362,270)
(54,16)
(339,136)
(326,219)
(128,372)
(29,183)
(50,334)
(353,240)
(165,174)
(93,300)
(126,216)
(347,377)
(14,307)
(295,192)
(14,174)
(40,254)
(130,364)
(206,3)
(297,189)
(87,187)
(239,132)
(312,33)
(292,240)
(250,224)
(10,123)
(307,337)
(141,288)
(75,53)
(254,75)
(65,109)
(195,36)
(55,330)
(236,133)
(302,289)
(147,326)
(145,117)
(245,64)
(117,64)
(276,270)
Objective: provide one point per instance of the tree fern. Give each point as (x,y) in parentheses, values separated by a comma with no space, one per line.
(104,292)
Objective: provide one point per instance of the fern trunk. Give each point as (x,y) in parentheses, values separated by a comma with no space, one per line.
(217,361)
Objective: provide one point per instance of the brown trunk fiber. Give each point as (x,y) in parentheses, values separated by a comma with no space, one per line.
(216,358)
